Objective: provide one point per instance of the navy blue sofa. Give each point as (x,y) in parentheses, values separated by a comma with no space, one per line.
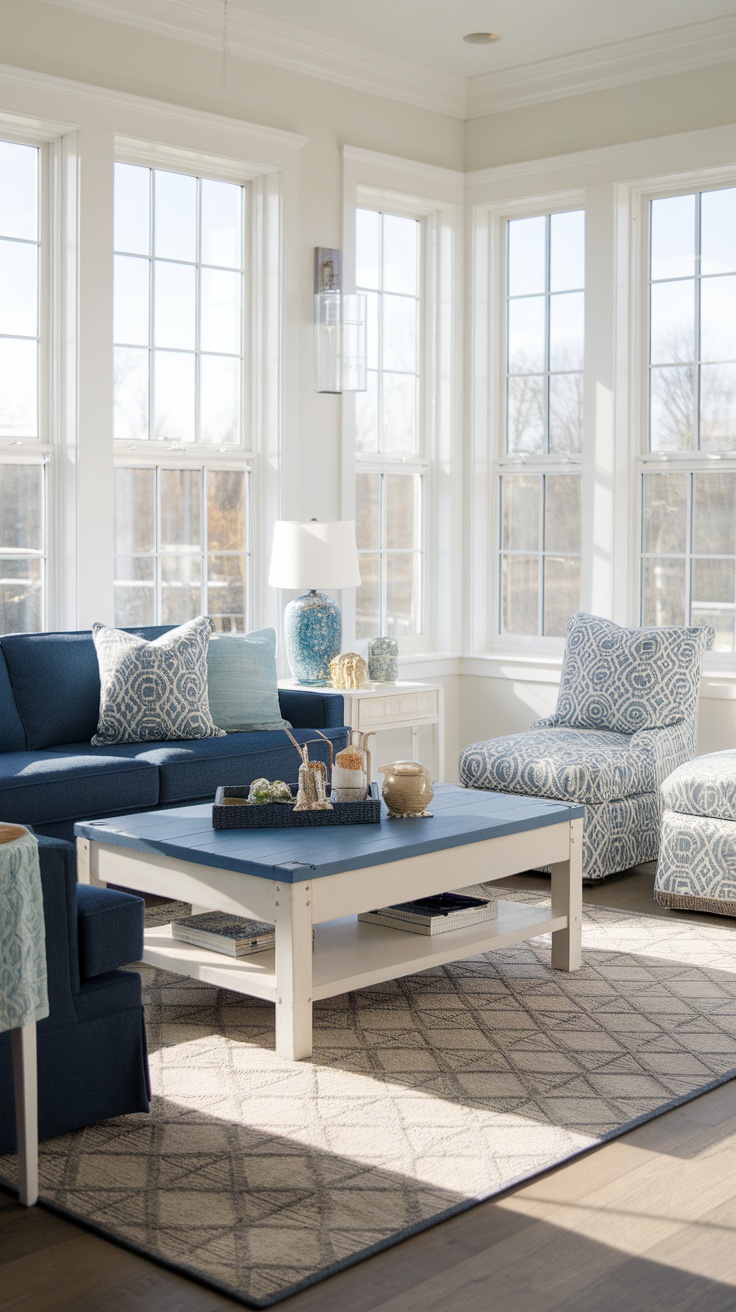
(92,1046)
(51,776)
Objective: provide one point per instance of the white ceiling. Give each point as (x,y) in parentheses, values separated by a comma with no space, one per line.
(413,51)
(430,31)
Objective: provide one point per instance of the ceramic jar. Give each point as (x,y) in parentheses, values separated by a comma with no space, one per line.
(407,789)
(383,660)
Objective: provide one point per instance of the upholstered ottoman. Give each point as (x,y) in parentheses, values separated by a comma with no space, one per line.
(696,870)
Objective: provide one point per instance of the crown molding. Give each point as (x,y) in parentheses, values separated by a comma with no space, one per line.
(713,147)
(299,49)
(411,167)
(677,50)
(302,50)
(89,95)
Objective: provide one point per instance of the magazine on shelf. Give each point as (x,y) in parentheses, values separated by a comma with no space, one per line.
(233,935)
(434,915)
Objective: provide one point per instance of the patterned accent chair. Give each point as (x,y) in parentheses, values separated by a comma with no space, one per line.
(626,717)
(696,870)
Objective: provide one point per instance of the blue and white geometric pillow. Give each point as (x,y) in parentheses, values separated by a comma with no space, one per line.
(629,679)
(154,691)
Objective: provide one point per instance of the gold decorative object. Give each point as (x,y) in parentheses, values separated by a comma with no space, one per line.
(348,671)
(407,789)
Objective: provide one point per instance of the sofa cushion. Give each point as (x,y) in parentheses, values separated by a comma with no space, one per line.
(628,679)
(705,786)
(242,683)
(12,735)
(56,683)
(570,765)
(109,929)
(65,783)
(189,770)
(154,691)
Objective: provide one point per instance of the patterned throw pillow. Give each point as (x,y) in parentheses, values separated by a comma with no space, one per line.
(154,692)
(629,679)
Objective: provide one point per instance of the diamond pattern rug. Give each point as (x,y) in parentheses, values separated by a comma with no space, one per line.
(424,1095)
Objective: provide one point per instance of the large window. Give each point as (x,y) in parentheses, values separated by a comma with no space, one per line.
(390,445)
(689,474)
(539,469)
(179,333)
(22,417)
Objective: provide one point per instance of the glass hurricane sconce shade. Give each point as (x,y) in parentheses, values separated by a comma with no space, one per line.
(340,331)
(313,555)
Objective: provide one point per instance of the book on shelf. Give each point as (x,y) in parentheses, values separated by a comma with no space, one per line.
(434,915)
(235,936)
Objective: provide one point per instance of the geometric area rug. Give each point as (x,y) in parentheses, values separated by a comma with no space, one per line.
(425,1095)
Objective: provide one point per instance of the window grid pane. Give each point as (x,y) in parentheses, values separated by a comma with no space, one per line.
(539,553)
(387,265)
(23,492)
(692,318)
(20,249)
(389,532)
(179,331)
(198,525)
(544,333)
(688,551)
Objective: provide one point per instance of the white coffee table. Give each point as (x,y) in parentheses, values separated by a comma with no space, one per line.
(323,877)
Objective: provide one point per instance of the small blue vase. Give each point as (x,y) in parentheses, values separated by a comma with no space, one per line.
(313,628)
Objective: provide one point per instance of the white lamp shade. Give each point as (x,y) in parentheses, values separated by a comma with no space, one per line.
(314,555)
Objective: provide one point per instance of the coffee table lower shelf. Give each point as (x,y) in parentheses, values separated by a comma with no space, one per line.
(349,954)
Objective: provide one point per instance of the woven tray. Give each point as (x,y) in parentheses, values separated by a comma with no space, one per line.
(279,815)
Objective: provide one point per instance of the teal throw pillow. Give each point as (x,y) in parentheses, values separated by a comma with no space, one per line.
(153,692)
(242,681)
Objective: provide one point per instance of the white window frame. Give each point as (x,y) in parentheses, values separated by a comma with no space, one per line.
(435,197)
(153,453)
(91,127)
(488,407)
(644,460)
(43,450)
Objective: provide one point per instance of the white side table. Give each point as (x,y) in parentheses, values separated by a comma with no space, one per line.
(383,706)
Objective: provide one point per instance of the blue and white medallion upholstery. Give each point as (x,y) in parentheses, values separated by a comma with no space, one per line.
(626,717)
(696,870)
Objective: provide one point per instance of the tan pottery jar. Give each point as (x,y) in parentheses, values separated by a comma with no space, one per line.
(407,789)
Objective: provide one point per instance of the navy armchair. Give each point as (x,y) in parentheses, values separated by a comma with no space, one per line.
(92,1060)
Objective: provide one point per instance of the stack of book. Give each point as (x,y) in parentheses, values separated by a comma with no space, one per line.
(233,935)
(434,915)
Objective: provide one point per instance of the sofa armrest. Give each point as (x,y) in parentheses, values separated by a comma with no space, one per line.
(110,929)
(309,708)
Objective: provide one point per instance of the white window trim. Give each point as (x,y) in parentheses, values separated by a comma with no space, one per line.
(90,126)
(488,426)
(718,663)
(436,196)
(615,181)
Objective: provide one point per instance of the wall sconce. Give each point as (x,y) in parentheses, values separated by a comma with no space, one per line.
(339,328)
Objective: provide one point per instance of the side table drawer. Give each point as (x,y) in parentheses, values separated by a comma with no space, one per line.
(396,709)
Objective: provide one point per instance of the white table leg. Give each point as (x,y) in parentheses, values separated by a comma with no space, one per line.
(293,916)
(87,864)
(25,1087)
(567,900)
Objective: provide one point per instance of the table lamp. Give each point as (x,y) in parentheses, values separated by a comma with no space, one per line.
(313,555)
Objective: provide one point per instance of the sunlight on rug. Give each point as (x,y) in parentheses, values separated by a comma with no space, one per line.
(424,1095)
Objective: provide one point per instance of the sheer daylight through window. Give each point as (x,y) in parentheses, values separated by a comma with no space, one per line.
(689,479)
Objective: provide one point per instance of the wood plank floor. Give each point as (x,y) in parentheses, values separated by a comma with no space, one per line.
(644,1224)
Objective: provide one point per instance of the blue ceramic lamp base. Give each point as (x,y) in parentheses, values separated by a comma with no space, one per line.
(313,628)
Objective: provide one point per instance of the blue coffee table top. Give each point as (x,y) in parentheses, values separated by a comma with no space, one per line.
(459,816)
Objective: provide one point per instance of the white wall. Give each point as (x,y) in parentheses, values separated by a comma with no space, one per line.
(682,102)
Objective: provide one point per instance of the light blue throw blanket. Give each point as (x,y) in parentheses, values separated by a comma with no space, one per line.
(23,991)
